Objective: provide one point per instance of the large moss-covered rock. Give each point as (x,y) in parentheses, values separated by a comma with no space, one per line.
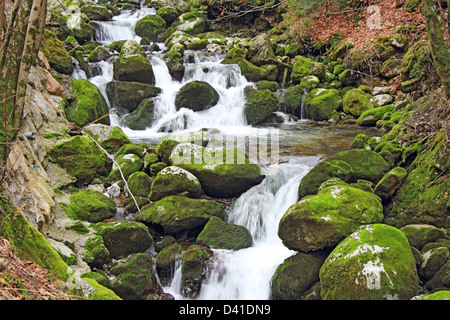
(165,262)
(150,26)
(90,205)
(173,180)
(110,138)
(302,67)
(373,263)
(166,144)
(260,105)
(175,61)
(297,274)
(175,215)
(133,65)
(390,182)
(219,234)
(370,117)
(325,219)
(169,14)
(433,260)
(81,28)
(97,12)
(142,117)
(355,102)
(292,100)
(89,104)
(135,278)
(310,183)
(128,164)
(56,54)
(128,95)
(81,157)
(96,254)
(124,237)
(441,279)
(366,164)
(139,184)
(197,96)
(194,262)
(420,234)
(320,104)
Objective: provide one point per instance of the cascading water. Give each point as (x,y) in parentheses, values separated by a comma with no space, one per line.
(245,273)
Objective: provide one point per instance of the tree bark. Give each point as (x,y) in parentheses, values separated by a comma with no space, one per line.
(439,49)
(18,50)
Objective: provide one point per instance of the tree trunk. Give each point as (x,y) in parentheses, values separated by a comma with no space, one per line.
(18,50)
(439,49)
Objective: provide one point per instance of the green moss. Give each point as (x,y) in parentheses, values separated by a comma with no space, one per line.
(134,68)
(89,105)
(27,242)
(139,184)
(90,205)
(130,148)
(174,180)
(355,102)
(197,96)
(439,295)
(370,117)
(222,235)
(301,68)
(81,157)
(320,104)
(78,227)
(128,164)
(260,105)
(100,292)
(56,54)
(193,262)
(176,214)
(374,263)
(150,26)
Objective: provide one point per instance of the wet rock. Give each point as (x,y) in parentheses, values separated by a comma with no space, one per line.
(197,96)
(173,180)
(379,265)
(90,205)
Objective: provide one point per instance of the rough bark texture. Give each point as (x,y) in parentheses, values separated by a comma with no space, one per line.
(439,48)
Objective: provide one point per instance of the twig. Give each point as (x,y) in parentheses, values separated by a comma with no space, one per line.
(114,161)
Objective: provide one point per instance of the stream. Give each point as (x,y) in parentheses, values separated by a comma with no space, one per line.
(246,273)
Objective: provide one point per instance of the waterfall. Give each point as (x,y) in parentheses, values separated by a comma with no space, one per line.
(246,274)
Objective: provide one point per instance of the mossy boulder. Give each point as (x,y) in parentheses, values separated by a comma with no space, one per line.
(355,102)
(422,198)
(96,254)
(90,205)
(441,279)
(433,260)
(175,61)
(133,65)
(194,263)
(134,277)
(142,117)
(390,182)
(292,100)
(310,183)
(173,180)
(150,27)
(131,148)
(175,215)
(97,12)
(169,14)
(302,67)
(297,274)
(110,138)
(128,164)
(260,105)
(366,164)
(219,234)
(124,237)
(139,184)
(99,292)
(309,82)
(28,243)
(56,54)
(218,178)
(89,105)
(370,117)
(165,262)
(420,234)
(197,96)
(320,104)
(129,94)
(81,157)
(165,146)
(378,264)
(82,29)
(325,219)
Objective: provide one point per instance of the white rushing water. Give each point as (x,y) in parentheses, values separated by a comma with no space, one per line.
(245,273)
